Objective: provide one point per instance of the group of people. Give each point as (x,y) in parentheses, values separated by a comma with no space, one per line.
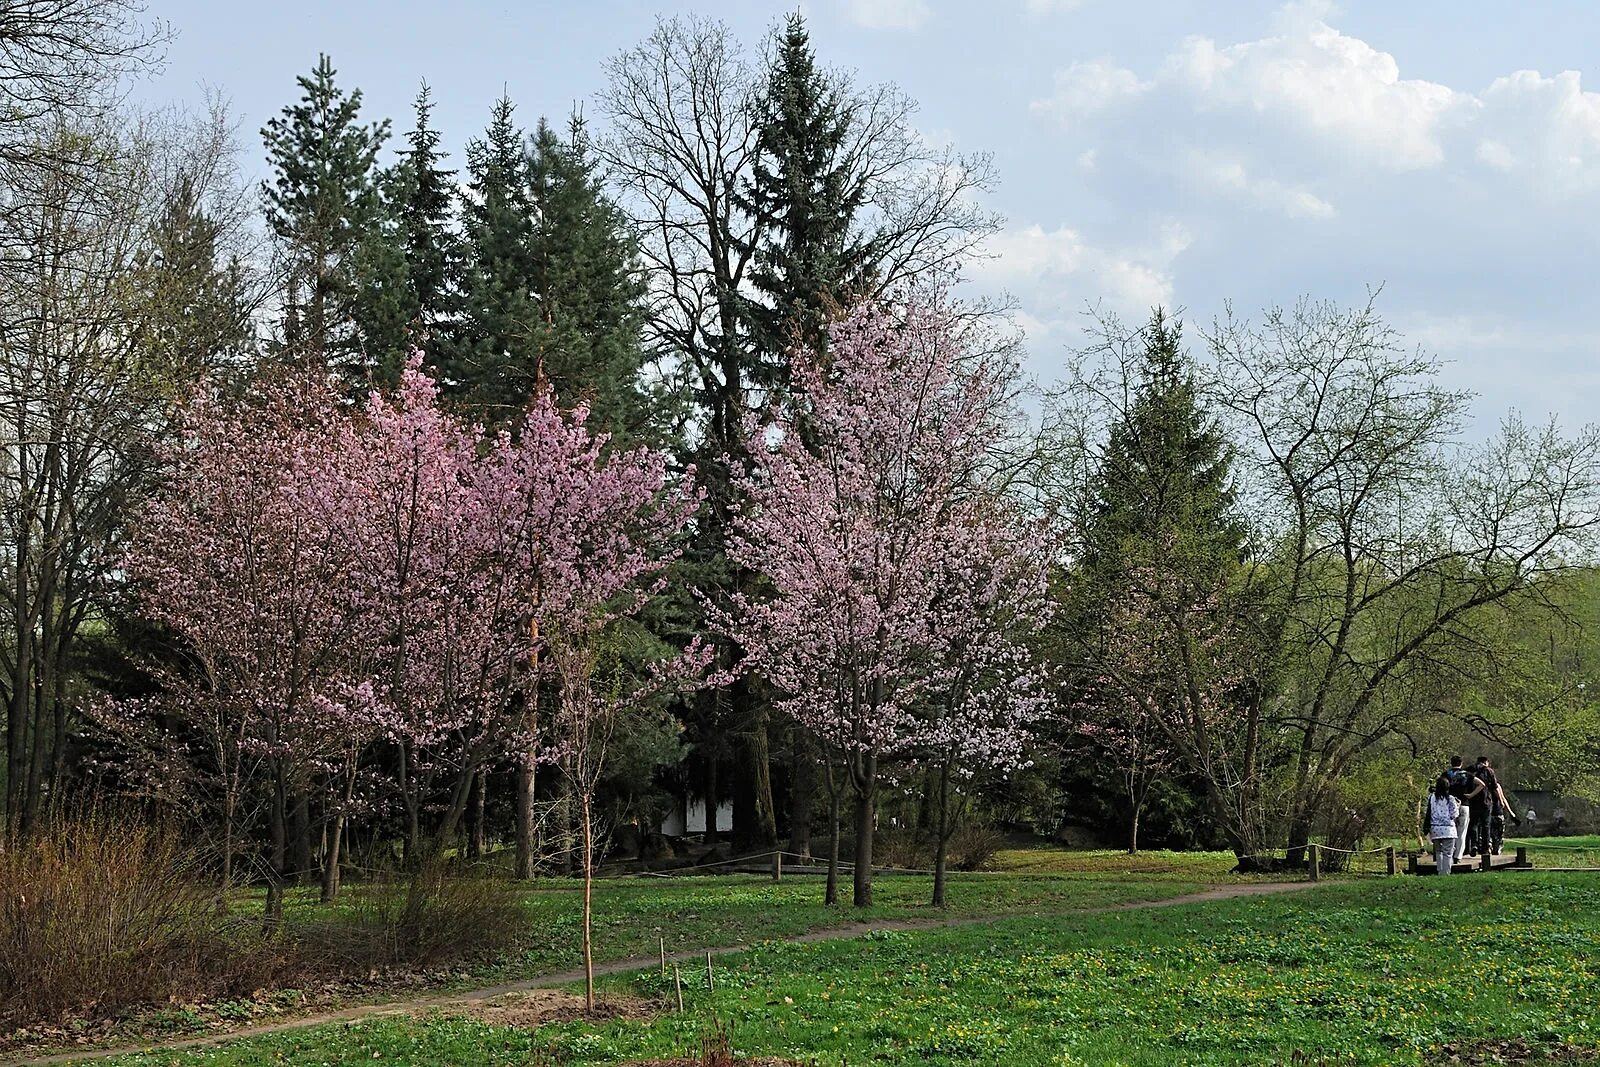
(1466,813)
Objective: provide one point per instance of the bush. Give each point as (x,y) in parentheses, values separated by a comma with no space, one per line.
(972,848)
(100,913)
(435,915)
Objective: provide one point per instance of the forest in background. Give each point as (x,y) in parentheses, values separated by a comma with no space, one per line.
(1243,585)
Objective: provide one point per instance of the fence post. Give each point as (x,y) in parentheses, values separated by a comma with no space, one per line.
(1486,862)
(1313,862)
(777,866)
(1522,858)
(1388,855)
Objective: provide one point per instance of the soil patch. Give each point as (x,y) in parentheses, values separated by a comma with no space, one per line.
(535,1007)
(1512,1050)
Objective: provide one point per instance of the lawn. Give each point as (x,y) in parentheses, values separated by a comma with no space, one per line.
(1377,972)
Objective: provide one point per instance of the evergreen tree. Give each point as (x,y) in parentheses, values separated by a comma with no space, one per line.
(199,298)
(426,199)
(806,195)
(494,364)
(587,283)
(1165,494)
(323,206)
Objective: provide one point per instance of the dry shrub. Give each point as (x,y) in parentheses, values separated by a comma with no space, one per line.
(973,848)
(98,913)
(435,915)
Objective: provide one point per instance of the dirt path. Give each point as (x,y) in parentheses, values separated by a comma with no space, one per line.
(473,997)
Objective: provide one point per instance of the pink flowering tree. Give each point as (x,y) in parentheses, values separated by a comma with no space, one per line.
(446,607)
(246,557)
(589,532)
(896,577)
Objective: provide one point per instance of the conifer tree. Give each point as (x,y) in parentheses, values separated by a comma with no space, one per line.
(806,195)
(425,196)
(587,283)
(323,205)
(1165,492)
(494,363)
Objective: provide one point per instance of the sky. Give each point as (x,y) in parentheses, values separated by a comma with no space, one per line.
(1186,153)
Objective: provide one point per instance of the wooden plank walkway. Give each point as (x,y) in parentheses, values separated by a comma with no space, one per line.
(1417,863)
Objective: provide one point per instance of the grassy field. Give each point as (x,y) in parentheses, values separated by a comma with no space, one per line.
(1383,972)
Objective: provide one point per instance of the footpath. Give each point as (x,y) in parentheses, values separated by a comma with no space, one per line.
(477,997)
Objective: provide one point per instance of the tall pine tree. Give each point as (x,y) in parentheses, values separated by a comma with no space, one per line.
(588,286)
(806,194)
(425,198)
(1165,494)
(323,206)
(493,364)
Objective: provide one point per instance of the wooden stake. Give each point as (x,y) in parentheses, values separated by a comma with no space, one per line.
(1313,862)
(777,866)
(677,982)
(663,955)
(1388,856)
(711,981)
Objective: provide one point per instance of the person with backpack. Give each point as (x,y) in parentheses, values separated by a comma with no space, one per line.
(1489,828)
(1463,787)
(1439,823)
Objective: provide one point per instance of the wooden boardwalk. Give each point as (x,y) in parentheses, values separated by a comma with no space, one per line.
(1417,863)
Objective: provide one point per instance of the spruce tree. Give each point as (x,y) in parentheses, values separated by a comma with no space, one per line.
(426,199)
(589,291)
(806,195)
(1165,491)
(494,363)
(323,207)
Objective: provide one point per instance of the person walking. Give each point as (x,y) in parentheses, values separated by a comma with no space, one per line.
(1464,787)
(1489,833)
(1440,823)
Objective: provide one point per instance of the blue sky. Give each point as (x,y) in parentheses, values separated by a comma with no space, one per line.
(1177,151)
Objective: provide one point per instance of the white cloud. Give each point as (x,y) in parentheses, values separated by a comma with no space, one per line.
(1333,86)
(1087,87)
(888,14)
(1052,271)
(1548,127)
(1231,175)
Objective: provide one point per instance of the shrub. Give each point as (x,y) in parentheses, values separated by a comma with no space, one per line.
(972,848)
(99,913)
(435,915)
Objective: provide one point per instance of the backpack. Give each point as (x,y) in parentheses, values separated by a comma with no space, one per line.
(1461,782)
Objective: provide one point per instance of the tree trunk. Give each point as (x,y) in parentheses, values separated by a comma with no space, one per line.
(526,849)
(944,830)
(802,789)
(475,806)
(277,829)
(585,800)
(866,783)
(832,897)
(302,860)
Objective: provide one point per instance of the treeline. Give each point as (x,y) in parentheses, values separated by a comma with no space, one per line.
(336,509)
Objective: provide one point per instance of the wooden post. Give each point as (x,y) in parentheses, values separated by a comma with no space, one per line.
(677,983)
(711,981)
(1313,862)
(1411,863)
(777,866)
(663,955)
(1388,856)
(1486,862)
(1522,858)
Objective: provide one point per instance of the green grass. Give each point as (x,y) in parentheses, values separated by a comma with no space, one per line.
(631,916)
(1379,972)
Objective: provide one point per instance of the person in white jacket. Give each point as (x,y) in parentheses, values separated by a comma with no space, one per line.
(1442,811)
